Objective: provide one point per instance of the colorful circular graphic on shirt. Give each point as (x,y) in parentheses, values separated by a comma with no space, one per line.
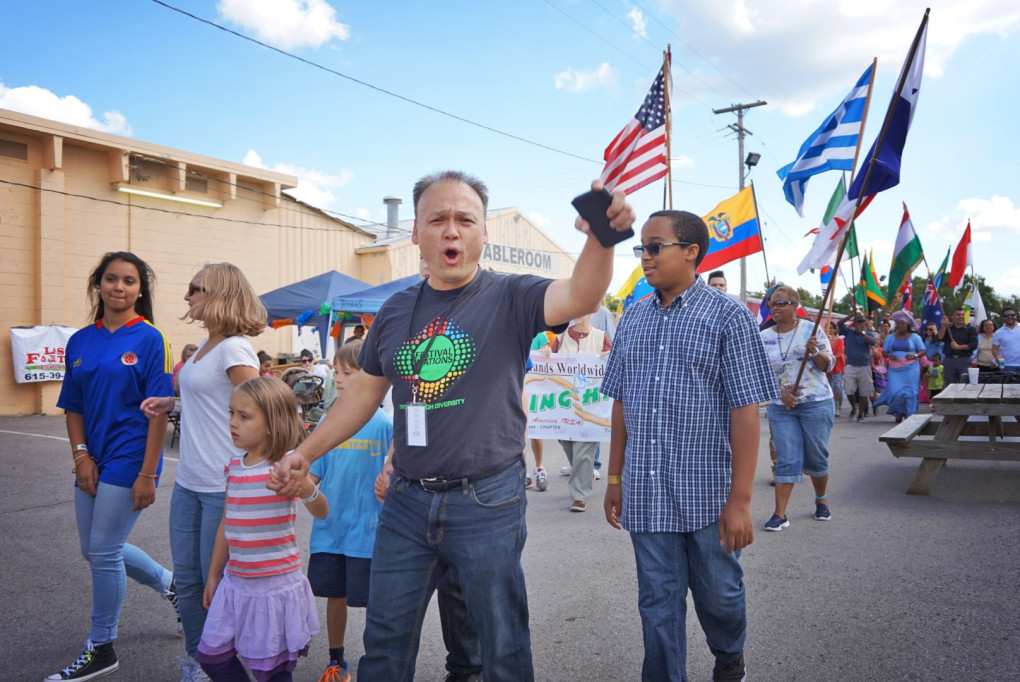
(450,352)
(129,359)
(439,361)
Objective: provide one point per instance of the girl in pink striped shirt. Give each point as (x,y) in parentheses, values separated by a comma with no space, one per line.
(261,607)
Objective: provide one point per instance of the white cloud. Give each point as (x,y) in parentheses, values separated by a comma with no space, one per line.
(1009,281)
(540,220)
(638,22)
(994,217)
(36,101)
(363,213)
(315,187)
(286,24)
(842,38)
(682,161)
(579,80)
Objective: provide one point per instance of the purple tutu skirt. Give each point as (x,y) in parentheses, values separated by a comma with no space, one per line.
(268,621)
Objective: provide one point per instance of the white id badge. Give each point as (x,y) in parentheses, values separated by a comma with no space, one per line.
(417,433)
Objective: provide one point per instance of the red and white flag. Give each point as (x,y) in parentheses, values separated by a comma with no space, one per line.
(828,236)
(962,259)
(637,155)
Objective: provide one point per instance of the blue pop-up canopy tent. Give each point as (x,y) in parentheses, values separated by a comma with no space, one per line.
(295,301)
(368,301)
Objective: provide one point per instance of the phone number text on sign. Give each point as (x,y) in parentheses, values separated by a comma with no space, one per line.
(39,353)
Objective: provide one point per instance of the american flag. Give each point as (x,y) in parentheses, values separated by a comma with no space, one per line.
(637,155)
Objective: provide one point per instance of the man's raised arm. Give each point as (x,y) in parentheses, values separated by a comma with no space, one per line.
(582,292)
(349,413)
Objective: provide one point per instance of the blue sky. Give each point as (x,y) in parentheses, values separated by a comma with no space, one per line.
(567,74)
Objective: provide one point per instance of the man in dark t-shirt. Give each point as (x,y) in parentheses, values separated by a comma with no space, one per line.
(453,348)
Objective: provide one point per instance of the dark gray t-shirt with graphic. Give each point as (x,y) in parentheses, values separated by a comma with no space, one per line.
(478,338)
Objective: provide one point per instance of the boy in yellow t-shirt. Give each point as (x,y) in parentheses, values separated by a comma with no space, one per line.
(936,377)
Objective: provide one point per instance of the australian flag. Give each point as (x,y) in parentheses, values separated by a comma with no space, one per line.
(932,309)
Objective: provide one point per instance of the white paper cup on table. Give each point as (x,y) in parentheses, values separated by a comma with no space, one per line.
(972,374)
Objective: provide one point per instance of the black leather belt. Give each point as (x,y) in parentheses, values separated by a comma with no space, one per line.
(441,485)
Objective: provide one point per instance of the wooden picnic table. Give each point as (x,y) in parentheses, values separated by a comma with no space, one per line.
(936,441)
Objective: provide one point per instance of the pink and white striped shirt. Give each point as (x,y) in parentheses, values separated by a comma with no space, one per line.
(259,524)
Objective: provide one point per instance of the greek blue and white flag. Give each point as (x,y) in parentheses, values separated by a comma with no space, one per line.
(830,147)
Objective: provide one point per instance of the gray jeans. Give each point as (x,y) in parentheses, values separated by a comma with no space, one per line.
(956,370)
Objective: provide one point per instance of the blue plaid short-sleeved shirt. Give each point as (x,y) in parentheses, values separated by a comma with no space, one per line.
(678,371)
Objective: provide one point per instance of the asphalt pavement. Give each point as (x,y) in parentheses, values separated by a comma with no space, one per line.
(895,587)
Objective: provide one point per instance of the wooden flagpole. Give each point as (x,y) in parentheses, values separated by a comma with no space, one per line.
(927,267)
(867,176)
(853,171)
(757,216)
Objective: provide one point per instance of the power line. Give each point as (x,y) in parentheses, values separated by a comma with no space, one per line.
(607,42)
(692,49)
(375,87)
(618,49)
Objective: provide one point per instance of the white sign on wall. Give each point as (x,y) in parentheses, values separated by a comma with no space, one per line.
(514,255)
(38,352)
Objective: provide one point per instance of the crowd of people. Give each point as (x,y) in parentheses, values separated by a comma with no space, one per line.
(901,366)
(687,369)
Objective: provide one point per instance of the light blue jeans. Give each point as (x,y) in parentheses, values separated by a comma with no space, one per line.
(104,523)
(802,439)
(194,520)
(668,564)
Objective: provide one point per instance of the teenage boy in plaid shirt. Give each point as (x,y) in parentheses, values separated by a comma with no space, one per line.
(686,372)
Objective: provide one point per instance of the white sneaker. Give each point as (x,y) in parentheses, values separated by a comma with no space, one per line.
(598,476)
(565,471)
(192,671)
(541,482)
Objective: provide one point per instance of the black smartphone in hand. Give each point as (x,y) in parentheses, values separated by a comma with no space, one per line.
(592,206)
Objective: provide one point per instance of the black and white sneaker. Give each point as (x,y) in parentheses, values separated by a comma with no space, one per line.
(170,594)
(95,660)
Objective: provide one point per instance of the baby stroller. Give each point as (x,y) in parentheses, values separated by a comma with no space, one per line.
(308,389)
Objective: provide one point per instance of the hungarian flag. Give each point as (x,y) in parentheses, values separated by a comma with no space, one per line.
(637,155)
(962,259)
(907,255)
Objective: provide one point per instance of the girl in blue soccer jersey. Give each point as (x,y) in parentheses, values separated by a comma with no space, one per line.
(112,366)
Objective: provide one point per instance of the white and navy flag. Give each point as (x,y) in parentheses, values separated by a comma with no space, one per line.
(637,155)
(831,147)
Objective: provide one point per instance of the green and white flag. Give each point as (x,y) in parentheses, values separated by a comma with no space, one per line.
(907,255)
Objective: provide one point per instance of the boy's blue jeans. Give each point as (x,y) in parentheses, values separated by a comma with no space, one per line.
(667,565)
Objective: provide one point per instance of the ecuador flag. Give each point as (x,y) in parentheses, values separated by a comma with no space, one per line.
(732,230)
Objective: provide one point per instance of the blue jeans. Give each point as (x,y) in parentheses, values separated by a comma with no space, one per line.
(802,439)
(194,520)
(104,523)
(477,531)
(667,565)
(463,657)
